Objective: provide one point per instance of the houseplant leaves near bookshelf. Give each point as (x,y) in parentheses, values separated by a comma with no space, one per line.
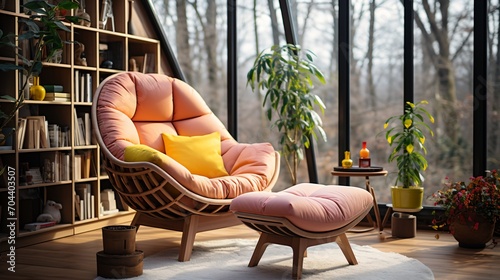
(470,209)
(287,73)
(407,137)
(43,26)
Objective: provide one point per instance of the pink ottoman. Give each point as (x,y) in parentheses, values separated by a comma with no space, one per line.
(302,216)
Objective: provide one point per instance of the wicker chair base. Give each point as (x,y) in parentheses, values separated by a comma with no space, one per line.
(189,226)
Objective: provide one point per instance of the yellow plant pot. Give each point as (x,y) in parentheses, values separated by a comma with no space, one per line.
(407,199)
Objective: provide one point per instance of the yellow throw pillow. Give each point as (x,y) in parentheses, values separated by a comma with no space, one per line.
(201,155)
(142,152)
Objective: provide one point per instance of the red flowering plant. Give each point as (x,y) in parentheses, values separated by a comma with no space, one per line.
(469,203)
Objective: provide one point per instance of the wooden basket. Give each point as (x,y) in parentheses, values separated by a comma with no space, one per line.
(118,240)
(119,266)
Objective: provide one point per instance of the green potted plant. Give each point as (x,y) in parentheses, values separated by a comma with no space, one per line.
(43,26)
(407,138)
(470,209)
(287,73)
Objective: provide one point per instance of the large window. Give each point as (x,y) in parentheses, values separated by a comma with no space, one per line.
(443,75)
(443,48)
(493,97)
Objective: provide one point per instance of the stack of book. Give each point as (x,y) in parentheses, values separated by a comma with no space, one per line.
(57,166)
(38,226)
(55,93)
(84,202)
(34,132)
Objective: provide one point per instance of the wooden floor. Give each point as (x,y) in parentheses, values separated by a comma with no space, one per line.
(74,257)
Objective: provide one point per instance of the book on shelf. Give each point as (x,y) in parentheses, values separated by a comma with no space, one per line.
(86,159)
(78,210)
(53,88)
(64,136)
(21,128)
(77,137)
(83,130)
(38,226)
(42,136)
(64,167)
(88,128)
(76,86)
(108,202)
(83,87)
(51,166)
(92,208)
(86,201)
(81,127)
(87,94)
(57,96)
(109,212)
(54,131)
(81,166)
(29,142)
(77,167)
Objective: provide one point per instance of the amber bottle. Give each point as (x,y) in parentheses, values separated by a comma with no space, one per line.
(364,156)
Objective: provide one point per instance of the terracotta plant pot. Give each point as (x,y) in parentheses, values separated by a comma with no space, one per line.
(468,237)
(407,199)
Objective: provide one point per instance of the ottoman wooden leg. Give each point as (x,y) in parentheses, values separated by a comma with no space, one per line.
(260,248)
(299,246)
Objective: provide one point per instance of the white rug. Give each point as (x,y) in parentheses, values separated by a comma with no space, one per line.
(228,259)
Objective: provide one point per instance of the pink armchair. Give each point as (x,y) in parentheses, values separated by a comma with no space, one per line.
(131,115)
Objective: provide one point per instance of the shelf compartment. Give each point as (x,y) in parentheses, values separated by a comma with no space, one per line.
(111,50)
(85,45)
(118,14)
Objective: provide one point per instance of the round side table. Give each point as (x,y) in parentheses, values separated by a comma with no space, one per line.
(367,173)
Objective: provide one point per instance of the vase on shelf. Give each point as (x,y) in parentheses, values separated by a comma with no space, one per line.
(347,161)
(37,92)
(130,25)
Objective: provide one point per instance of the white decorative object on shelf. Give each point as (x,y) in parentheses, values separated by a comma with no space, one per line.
(107,13)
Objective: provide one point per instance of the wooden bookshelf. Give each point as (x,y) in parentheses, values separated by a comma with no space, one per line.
(106,52)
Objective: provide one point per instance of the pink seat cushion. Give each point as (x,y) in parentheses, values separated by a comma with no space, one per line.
(311,207)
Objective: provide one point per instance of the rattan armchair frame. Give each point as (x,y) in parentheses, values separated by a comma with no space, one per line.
(160,201)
